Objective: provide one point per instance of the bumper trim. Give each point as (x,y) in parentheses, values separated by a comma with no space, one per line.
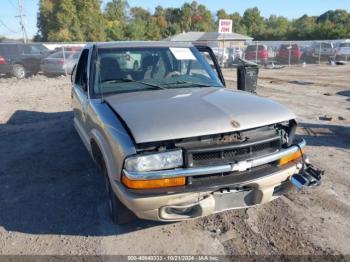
(199,171)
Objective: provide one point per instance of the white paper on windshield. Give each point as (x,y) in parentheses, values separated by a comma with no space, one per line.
(182,53)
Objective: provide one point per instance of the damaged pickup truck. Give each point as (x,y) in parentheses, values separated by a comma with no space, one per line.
(173,142)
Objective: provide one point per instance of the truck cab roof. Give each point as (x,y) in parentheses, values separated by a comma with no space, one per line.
(123,44)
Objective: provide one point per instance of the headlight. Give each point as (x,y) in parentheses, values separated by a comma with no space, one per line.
(152,162)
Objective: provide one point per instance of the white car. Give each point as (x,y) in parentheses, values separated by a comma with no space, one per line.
(222,55)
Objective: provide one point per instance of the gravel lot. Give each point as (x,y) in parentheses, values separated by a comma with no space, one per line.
(52,198)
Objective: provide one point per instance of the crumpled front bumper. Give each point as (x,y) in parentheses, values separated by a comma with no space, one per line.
(187,205)
(177,205)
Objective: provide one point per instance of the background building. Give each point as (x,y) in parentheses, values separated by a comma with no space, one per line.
(214,39)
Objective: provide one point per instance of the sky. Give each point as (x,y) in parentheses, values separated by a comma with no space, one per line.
(9,25)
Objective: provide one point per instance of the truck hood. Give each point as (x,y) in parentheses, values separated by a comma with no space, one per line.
(189,112)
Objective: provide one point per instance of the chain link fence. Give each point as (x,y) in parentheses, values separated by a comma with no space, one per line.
(54,59)
(275,53)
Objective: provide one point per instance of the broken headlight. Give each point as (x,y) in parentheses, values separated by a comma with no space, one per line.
(153,162)
(287,131)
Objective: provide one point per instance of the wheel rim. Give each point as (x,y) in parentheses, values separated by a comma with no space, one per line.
(19,71)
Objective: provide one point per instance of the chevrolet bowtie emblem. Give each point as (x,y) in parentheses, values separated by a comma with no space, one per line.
(235,124)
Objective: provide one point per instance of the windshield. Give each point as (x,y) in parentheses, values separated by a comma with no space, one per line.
(254,47)
(59,55)
(287,47)
(121,70)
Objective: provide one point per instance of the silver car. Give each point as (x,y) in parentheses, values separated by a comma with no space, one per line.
(172,142)
(59,63)
(343,51)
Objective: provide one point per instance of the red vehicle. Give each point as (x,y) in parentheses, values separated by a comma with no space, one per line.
(285,51)
(74,49)
(257,53)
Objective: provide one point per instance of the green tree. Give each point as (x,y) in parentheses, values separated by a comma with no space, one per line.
(82,20)
(154,31)
(277,28)
(237,25)
(140,13)
(161,23)
(202,19)
(333,24)
(91,19)
(115,19)
(221,14)
(136,30)
(253,22)
(186,13)
(303,28)
(173,17)
(45,19)
(57,21)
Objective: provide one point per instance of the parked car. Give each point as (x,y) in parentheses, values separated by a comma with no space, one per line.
(68,49)
(222,55)
(289,53)
(234,55)
(257,53)
(319,51)
(129,60)
(172,142)
(19,59)
(59,63)
(343,51)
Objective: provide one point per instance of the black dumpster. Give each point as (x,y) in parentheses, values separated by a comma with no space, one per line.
(247,76)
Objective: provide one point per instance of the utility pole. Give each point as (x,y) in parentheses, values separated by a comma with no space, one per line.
(20,16)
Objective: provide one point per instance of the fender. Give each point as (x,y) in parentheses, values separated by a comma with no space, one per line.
(110,136)
(105,149)
(106,152)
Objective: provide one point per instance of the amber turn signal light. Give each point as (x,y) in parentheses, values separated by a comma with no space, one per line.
(291,157)
(154,183)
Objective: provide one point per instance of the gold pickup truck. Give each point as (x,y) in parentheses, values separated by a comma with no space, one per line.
(173,142)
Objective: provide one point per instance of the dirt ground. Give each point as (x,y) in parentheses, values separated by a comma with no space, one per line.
(52,198)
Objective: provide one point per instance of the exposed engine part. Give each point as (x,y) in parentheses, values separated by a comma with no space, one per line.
(284,130)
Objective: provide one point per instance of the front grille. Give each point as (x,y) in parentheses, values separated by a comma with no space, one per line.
(232,153)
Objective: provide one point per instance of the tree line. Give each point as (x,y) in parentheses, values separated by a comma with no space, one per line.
(86,20)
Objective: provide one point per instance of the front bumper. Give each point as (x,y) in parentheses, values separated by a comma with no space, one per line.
(238,190)
(176,206)
(342,57)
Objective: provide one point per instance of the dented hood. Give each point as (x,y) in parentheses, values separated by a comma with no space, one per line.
(189,112)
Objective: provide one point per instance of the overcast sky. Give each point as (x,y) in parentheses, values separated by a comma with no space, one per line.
(9,25)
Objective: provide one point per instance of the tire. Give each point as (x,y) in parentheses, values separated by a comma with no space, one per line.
(119,213)
(19,71)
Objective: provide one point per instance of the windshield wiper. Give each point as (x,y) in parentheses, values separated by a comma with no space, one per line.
(195,84)
(127,80)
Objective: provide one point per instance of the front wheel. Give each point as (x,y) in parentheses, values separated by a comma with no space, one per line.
(19,71)
(119,213)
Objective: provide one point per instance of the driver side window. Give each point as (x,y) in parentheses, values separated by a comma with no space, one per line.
(81,71)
